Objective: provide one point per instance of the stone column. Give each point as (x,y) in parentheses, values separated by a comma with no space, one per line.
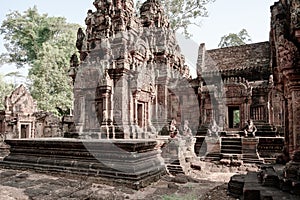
(111,114)
(121,105)
(296,119)
(135,110)
(104,125)
(290,124)
(162,103)
(213,145)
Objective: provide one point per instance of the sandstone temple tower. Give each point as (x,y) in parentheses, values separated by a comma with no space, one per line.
(129,72)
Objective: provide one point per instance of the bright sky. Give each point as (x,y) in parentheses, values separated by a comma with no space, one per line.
(225,16)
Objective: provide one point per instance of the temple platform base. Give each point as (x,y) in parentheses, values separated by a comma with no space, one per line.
(133,163)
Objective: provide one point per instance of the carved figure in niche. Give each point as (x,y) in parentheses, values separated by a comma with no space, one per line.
(98,4)
(186,71)
(286,53)
(271,80)
(173,130)
(152,89)
(188,136)
(213,130)
(159,18)
(187,131)
(109,6)
(108,25)
(80,38)
(250,129)
(89,21)
(295,17)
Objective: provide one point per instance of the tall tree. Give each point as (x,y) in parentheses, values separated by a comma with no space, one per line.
(5,90)
(235,39)
(183,13)
(46,45)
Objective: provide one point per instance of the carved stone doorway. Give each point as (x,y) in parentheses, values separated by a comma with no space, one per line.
(25,131)
(140,115)
(234,117)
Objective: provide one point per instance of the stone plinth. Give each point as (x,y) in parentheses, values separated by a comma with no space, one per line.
(200,146)
(270,146)
(236,185)
(178,155)
(135,163)
(213,148)
(213,144)
(249,150)
(253,185)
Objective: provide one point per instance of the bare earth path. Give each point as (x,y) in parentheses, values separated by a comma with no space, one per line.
(30,185)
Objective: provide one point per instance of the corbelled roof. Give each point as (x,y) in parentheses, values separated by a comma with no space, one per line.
(240,57)
(241,60)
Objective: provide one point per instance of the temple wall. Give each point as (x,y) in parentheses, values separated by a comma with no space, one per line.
(285,40)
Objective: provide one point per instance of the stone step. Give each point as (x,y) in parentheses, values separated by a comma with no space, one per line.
(231,139)
(235,146)
(253,160)
(231,145)
(227,142)
(231,156)
(231,151)
(175,169)
(212,157)
(176,158)
(200,145)
(266,134)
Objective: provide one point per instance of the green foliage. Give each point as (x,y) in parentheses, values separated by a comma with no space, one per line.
(236,117)
(50,82)
(5,90)
(235,39)
(183,13)
(46,45)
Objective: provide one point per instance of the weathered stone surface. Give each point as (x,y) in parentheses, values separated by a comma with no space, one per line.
(132,162)
(285,65)
(264,184)
(49,186)
(178,156)
(21,119)
(130,73)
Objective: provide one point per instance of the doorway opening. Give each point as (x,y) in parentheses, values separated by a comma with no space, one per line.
(24,131)
(234,117)
(140,112)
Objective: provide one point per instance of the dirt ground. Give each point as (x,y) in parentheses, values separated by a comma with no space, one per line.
(208,183)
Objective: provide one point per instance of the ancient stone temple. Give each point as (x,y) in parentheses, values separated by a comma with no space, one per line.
(285,41)
(236,84)
(130,80)
(255,81)
(21,119)
(127,82)
(17,120)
